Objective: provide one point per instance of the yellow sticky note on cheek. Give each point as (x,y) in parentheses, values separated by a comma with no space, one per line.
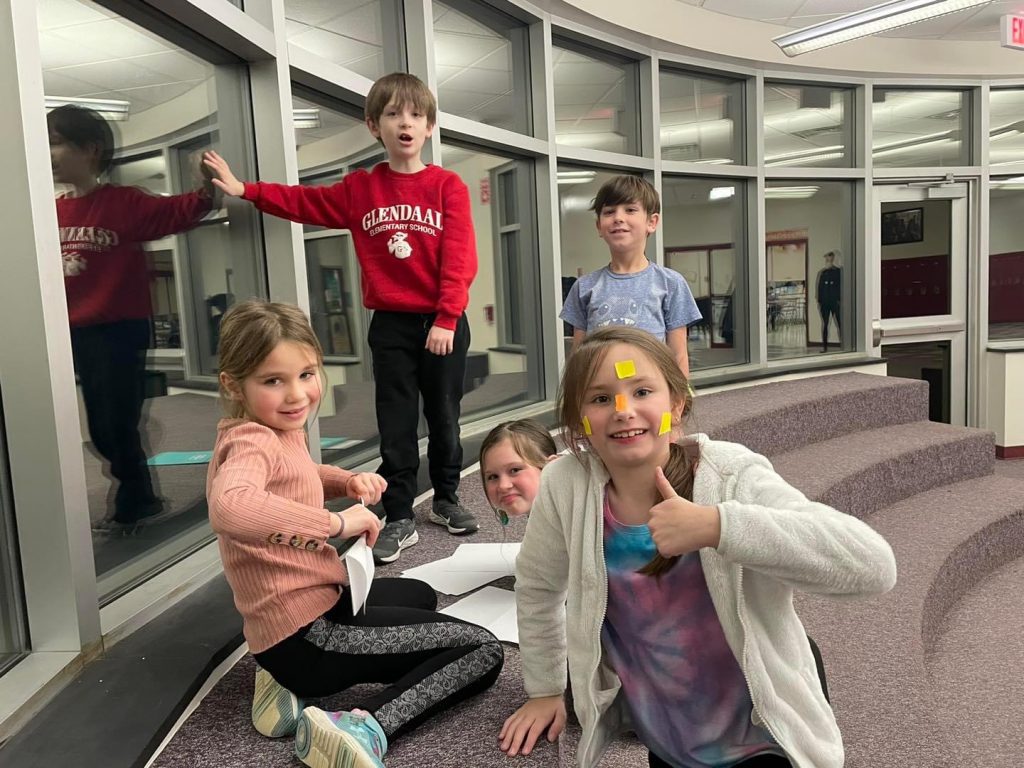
(666,423)
(586,427)
(625,369)
(620,403)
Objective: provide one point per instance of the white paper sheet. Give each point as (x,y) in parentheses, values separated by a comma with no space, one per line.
(359,562)
(491,608)
(471,566)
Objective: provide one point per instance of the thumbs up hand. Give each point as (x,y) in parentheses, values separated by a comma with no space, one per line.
(679,526)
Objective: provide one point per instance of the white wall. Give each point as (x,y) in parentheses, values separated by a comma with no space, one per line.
(1006,234)
(1005,383)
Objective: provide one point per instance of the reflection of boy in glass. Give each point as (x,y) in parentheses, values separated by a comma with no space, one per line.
(102,227)
(828,297)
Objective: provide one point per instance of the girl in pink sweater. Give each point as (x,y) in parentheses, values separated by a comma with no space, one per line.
(266,501)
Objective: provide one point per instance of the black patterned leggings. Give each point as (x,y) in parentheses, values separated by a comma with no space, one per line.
(428,661)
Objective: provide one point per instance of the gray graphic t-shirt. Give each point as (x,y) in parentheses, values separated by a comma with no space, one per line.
(656,300)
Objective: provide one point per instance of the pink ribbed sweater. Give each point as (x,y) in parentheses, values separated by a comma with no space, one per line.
(266,501)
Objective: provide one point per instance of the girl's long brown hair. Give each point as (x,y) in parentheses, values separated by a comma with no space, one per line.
(576,379)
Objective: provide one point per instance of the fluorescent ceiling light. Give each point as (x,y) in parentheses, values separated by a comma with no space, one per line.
(576,177)
(306,118)
(111,109)
(1007,131)
(1013,181)
(818,154)
(790,193)
(871,21)
(721,193)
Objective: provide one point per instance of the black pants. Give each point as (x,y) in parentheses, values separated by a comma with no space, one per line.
(111,362)
(403,369)
(829,310)
(429,661)
(764,761)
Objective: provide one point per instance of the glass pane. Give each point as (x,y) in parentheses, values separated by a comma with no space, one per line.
(809,267)
(13,630)
(701,118)
(926,361)
(349,33)
(596,104)
(808,125)
(483,65)
(920,128)
(1006,260)
(916,258)
(1006,126)
(504,362)
(151,261)
(705,237)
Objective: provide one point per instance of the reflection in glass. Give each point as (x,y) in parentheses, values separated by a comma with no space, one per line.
(483,65)
(1006,126)
(809,267)
(701,118)
(596,99)
(705,235)
(1006,259)
(150,260)
(808,125)
(916,269)
(13,634)
(925,361)
(920,128)
(350,33)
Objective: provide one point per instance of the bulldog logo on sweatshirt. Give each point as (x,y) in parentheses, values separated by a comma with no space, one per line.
(399,245)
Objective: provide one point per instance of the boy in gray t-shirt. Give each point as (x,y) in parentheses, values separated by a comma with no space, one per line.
(631,290)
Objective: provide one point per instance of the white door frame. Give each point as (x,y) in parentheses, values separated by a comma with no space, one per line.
(952,327)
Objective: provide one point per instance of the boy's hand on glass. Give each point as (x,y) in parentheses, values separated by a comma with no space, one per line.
(440,341)
(359,520)
(366,487)
(222,177)
(525,726)
(679,526)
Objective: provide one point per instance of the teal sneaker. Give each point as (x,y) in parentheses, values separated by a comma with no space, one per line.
(340,739)
(275,709)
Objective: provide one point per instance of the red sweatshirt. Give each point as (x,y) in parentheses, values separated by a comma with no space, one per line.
(413,234)
(266,501)
(101,234)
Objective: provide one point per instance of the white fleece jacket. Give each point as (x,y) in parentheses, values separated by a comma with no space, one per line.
(773,541)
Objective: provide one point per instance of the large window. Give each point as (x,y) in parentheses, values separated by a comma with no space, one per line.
(13,637)
(483,64)
(919,128)
(1006,260)
(596,98)
(705,241)
(151,262)
(701,118)
(808,125)
(355,34)
(1006,126)
(809,267)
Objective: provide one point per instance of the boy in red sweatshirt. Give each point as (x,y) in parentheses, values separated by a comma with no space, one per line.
(414,238)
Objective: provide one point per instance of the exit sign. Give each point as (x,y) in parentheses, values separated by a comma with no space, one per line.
(1013,31)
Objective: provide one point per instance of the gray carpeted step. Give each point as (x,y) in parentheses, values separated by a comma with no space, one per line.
(782,416)
(946,540)
(864,471)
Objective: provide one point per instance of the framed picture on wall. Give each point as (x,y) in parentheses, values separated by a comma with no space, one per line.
(903,226)
(341,336)
(333,289)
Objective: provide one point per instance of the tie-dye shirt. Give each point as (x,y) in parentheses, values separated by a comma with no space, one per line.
(686,693)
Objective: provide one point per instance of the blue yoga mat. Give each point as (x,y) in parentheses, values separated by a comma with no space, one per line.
(173,458)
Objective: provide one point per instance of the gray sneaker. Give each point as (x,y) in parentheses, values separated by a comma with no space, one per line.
(394,537)
(456,518)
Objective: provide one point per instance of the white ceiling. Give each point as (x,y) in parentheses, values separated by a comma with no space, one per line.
(980,23)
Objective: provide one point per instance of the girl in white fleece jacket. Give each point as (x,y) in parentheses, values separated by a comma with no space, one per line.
(662,575)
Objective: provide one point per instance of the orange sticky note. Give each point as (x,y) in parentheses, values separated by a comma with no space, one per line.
(586,426)
(625,368)
(666,423)
(620,403)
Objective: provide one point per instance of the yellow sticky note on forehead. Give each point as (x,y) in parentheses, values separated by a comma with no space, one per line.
(620,403)
(625,368)
(586,426)
(666,423)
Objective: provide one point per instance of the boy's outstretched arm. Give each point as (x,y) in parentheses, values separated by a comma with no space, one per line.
(223,179)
